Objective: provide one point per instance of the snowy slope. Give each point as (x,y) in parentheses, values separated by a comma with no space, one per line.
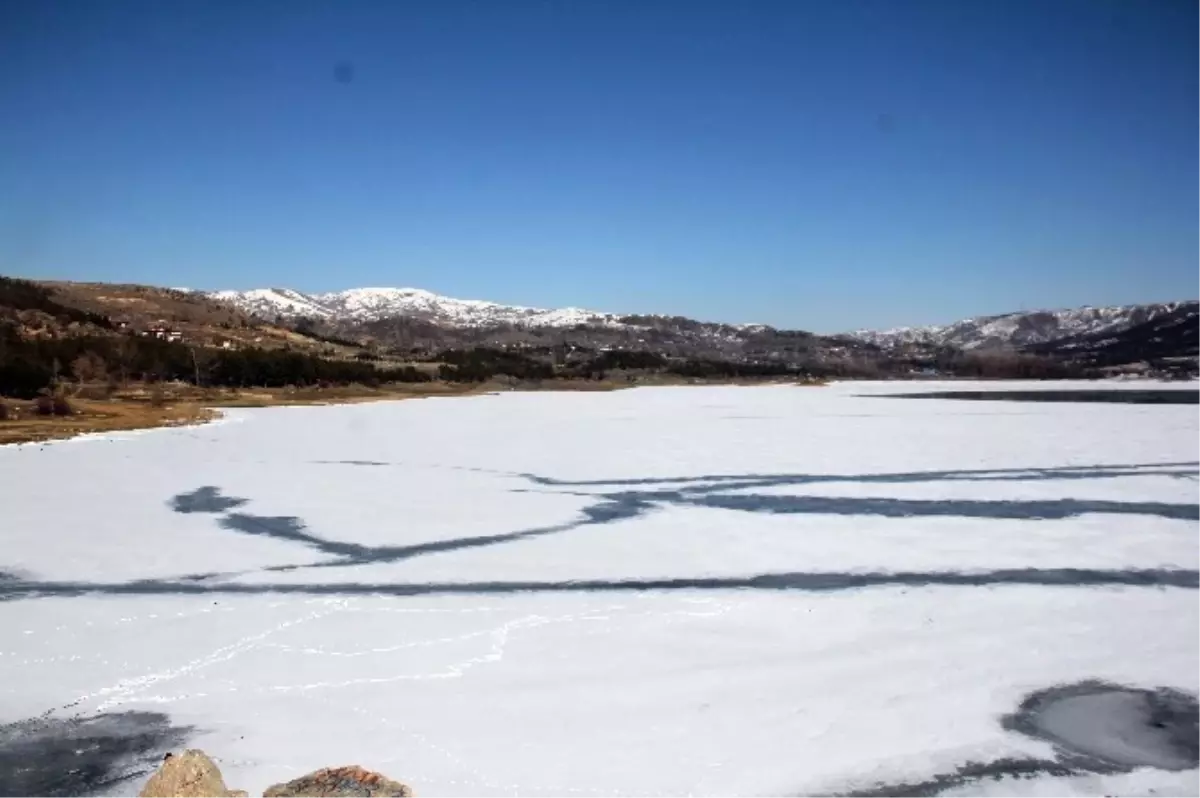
(271,302)
(737,591)
(370,304)
(1173,334)
(1022,329)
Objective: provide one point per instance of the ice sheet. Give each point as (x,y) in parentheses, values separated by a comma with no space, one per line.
(658,591)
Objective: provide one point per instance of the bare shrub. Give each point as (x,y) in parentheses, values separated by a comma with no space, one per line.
(89,367)
(92,391)
(60,405)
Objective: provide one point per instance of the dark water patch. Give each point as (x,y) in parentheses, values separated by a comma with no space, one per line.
(963,508)
(1095,727)
(1104,725)
(1131,397)
(207,499)
(806,582)
(81,756)
(615,508)
(289,528)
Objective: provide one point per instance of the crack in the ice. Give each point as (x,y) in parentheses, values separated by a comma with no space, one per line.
(498,639)
(292,529)
(714,491)
(622,500)
(966,475)
(127,690)
(968,773)
(807,582)
(907,508)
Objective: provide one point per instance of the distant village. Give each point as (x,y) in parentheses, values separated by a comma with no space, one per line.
(164,331)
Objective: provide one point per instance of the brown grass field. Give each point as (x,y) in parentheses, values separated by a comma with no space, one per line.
(141,408)
(95,416)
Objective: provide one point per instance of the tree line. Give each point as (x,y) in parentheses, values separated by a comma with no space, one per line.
(20,295)
(28,367)
(483,363)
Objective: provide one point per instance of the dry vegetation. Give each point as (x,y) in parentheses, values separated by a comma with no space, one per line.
(177,405)
(141,302)
(202,320)
(90,415)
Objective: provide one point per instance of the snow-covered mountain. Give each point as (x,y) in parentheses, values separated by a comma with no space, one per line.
(271,302)
(1021,329)
(372,304)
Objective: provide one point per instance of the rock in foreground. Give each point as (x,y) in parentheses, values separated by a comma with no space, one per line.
(344,781)
(189,775)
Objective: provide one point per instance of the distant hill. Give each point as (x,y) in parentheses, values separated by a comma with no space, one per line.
(1023,329)
(416,319)
(54,309)
(395,328)
(373,304)
(1169,334)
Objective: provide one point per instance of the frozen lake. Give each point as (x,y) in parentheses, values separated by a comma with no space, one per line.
(772,590)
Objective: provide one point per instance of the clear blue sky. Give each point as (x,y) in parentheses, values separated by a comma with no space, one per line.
(820,164)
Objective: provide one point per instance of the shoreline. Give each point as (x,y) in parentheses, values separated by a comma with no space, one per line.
(137,408)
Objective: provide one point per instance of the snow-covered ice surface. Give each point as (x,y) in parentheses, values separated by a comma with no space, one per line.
(773,590)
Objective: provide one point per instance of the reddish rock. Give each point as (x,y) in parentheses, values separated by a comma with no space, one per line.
(351,781)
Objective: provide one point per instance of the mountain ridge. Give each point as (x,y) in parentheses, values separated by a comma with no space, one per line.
(1022,328)
(375,304)
(49,321)
(1017,329)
